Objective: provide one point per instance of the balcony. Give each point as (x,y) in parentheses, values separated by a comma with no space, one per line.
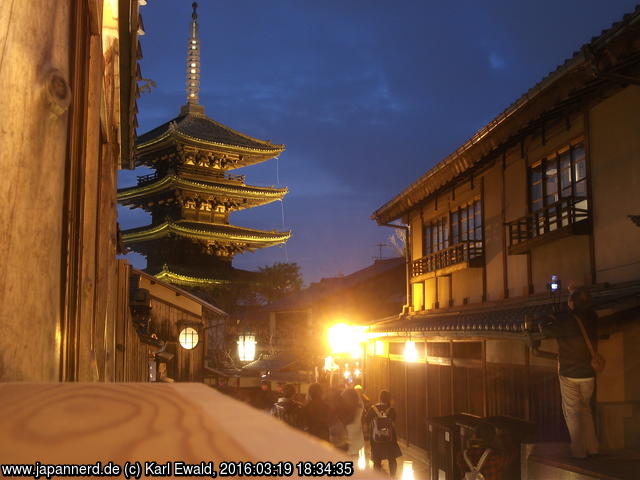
(568,216)
(469,252)
(208,176)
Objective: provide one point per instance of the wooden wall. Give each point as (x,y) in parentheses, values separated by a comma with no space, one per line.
(454,378)
(62,296)
(168,320)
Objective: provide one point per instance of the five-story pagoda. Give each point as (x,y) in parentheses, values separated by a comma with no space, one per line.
(191,195)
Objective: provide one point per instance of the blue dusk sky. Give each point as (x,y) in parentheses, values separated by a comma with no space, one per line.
(366,95)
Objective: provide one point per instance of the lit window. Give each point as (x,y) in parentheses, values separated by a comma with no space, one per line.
(193,64)
(193,70)
(188,338)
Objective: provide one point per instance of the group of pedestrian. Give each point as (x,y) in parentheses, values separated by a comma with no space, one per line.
(344,418)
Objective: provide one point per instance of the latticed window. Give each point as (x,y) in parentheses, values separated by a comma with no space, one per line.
(463,224)
(558,189)
(436,235)
(188,338)
(561,175)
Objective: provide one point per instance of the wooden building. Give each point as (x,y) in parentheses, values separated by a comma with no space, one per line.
(181,324)
(544,189)
(190,241)
(69,75)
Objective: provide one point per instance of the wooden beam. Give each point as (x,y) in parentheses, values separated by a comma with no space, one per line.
(82,423)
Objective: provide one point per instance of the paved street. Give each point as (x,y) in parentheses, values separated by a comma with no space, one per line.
(411,466)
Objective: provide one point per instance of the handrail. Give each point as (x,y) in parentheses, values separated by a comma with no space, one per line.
(152,177)
(458,253)
(553,217)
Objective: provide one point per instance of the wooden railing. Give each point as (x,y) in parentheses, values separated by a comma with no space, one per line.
(144,179)
(152,177)
(458,253)
(551,218)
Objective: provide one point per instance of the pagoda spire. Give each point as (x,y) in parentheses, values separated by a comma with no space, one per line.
(193,60)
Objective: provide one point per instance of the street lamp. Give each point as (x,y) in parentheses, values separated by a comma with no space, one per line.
(410,352)
(247,348)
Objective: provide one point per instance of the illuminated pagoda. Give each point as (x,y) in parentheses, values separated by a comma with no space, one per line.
(190,241)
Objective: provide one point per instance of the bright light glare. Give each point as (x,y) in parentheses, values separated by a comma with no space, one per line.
(407,470)
(345,338)
(247,348)
(410,352)
(362,459)
(379,347)
(330,364)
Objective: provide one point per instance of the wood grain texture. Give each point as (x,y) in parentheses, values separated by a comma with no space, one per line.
(89,422)
(34,40)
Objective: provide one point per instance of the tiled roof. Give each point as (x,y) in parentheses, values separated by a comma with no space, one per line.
(198,126)
(506,320)
(202,230)
(260,195)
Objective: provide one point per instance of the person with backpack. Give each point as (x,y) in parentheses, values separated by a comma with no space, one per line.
(384,442)
(286,408)
(576,332)
(481,460)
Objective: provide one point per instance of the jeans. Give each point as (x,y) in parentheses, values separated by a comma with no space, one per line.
(576,407)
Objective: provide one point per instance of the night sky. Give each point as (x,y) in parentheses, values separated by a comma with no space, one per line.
(366,94)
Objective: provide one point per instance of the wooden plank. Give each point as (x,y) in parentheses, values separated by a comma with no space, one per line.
(34,38)
(82,423)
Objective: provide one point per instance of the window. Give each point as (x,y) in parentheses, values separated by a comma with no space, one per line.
(466,223)
(559,176)
(463,224)
(188,338)
(557,187)
(436,235)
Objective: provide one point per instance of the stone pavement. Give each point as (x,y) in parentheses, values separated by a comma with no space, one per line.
(411,466)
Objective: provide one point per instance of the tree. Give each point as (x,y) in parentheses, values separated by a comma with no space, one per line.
(278,280)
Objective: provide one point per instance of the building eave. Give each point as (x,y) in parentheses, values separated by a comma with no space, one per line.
(256,238)
(268,194)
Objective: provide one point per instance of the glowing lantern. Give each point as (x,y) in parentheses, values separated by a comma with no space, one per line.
(188,338)
(247,348)
(410,352)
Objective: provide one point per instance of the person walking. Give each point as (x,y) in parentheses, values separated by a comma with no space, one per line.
(352,419)
(337,430)
(286,408)
(384,441)
(316,413)
(577,335)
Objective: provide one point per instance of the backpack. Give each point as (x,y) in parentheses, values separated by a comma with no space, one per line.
(475,474)
(382,431)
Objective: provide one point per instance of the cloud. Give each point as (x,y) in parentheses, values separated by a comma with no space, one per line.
(496,61)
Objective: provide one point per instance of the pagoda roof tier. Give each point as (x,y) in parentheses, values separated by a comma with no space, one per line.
(207,232)
(168,274)
(193,127)
(255,196)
